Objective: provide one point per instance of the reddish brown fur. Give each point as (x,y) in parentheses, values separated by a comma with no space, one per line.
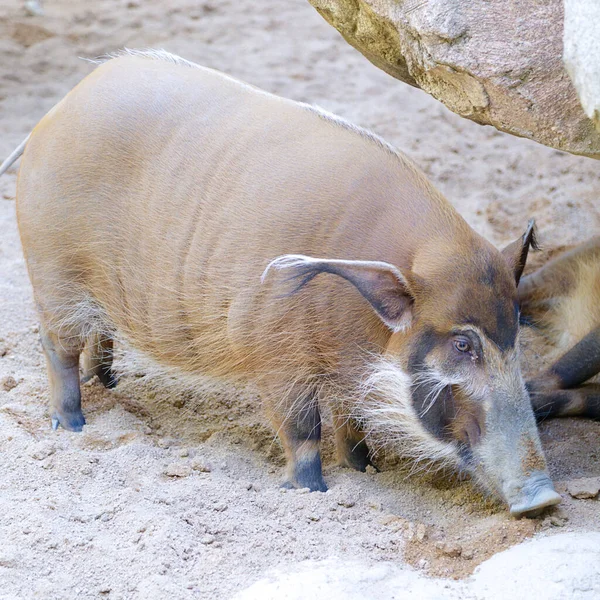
(151,199)
(562,298)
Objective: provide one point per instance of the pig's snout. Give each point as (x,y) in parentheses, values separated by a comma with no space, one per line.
(531,497)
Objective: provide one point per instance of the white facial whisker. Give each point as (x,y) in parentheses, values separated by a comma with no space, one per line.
(386,411)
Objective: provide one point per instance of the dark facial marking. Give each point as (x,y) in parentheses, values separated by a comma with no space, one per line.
(425,343)
(507,325)
(489,275)
(501,324)
(439,415)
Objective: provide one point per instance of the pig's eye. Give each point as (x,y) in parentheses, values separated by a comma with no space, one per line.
(462,345)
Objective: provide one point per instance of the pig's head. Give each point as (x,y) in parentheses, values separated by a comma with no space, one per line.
(449,384)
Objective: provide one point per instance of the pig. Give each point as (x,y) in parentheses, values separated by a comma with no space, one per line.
(224,230)
(561,298)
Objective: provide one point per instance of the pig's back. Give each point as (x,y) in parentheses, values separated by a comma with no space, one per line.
(165,189)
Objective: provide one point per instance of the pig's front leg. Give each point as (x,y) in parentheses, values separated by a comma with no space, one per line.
(298,423)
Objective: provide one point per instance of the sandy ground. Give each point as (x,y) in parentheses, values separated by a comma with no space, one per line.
(561,567)
(176,495)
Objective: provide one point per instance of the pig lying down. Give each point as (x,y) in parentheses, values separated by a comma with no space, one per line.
(561,298)
(226,231)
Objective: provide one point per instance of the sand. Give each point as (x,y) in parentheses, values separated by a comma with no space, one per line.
(561,567)
(169,494)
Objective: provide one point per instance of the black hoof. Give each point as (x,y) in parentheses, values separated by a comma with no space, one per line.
(357,457)
(320,486)
(107,378)
(315,487)
(73,421)
(307,474)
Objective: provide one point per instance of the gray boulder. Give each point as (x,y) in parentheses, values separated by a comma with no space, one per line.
(496,62)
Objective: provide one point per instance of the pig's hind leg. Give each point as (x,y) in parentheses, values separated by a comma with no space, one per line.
(98,360)
(62,360)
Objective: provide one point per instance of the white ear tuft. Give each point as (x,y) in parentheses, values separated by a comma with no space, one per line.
(287,261)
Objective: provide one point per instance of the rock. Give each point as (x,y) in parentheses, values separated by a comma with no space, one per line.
(421,532)
(581,53)
(8,383)
(468,554)
(199,465)
(587,487)
(207,539)
(557,521)
(395,523)
(178,470)
(347,502)
(43,450)
(450,549)
(374,504)
(416,532)
(497,63)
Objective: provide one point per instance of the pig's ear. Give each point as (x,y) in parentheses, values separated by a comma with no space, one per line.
(381,283)
(516,253)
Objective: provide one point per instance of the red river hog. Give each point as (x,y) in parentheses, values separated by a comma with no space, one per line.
(226,231)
